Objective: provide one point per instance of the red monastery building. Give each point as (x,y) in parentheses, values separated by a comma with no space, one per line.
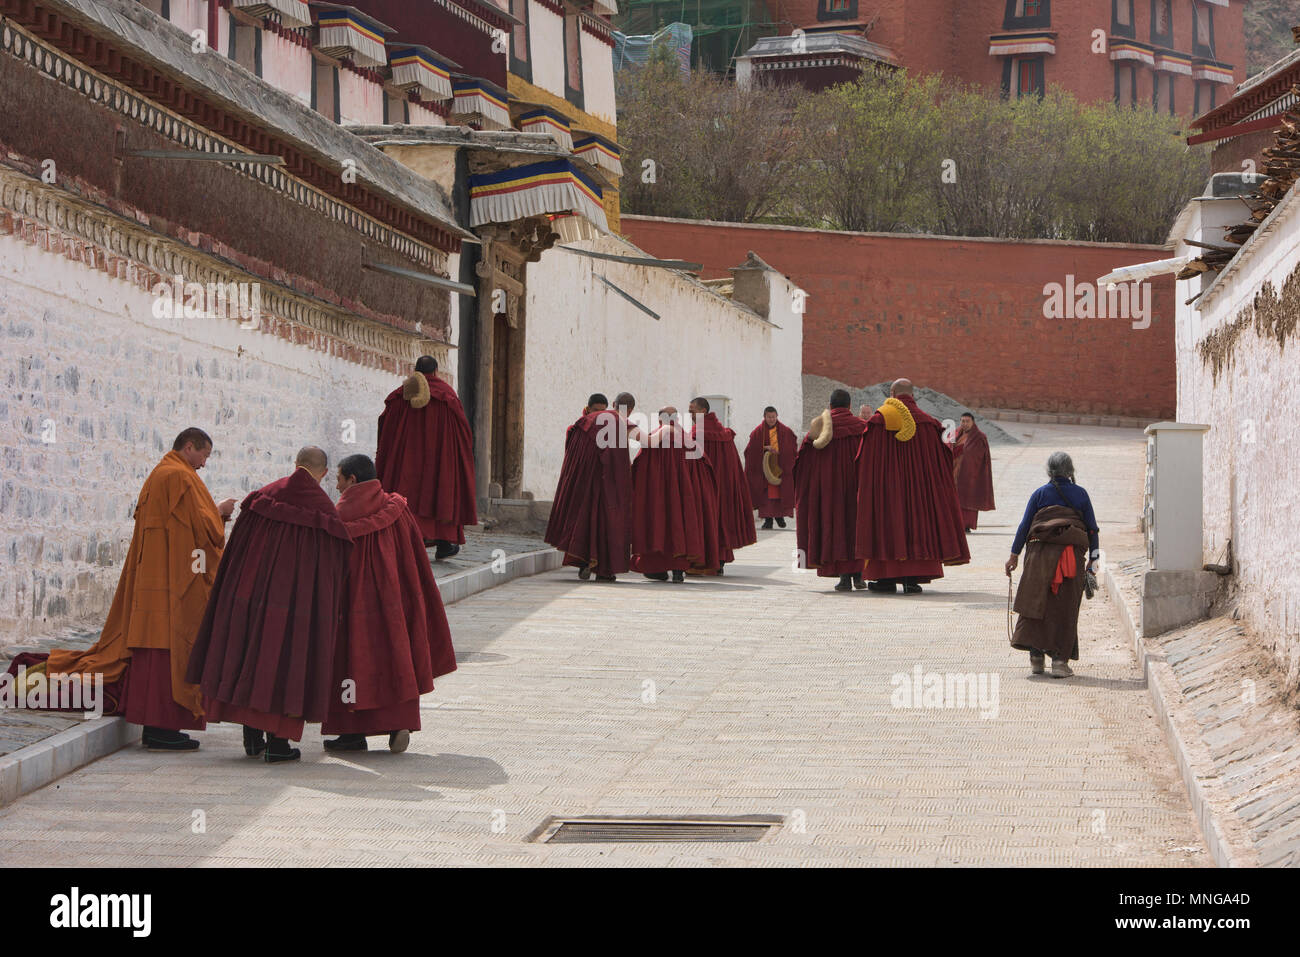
(1179,56)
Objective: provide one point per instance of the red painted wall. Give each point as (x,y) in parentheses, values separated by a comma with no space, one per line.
(952,37)
(964,316)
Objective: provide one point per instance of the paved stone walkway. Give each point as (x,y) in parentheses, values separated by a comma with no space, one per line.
(763,692)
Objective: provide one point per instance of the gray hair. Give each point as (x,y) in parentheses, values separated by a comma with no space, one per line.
(1060,465)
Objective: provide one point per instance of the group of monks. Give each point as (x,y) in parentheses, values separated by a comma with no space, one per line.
(311,612)
(875,494)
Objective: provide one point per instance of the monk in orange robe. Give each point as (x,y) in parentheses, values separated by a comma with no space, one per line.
(160,598)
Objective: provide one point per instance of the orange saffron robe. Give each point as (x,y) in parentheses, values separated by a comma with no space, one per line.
(166,578)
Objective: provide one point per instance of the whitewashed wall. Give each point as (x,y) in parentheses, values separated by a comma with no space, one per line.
(584,338)
(597,78)
(1251,471)
(420,116)
(546,46)
(361,101)
(287,66)
(85,351)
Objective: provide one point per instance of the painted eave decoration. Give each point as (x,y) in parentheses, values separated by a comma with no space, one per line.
(347,33)
(1121,49)
(1174,63)
(536,189)
(598,151)
(293,13)
(478,99)
(543,119)
(1212,71)
(418,68)
(1020,44)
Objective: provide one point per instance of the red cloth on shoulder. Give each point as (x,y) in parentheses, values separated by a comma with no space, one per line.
(907,502)
(667,518)
(271,627)
(973,471)
(591,514)
(735,507)
(426,455)
(395,635)
(826,483)
(787,446)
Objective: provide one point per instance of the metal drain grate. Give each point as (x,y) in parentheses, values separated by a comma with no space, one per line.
(650,830)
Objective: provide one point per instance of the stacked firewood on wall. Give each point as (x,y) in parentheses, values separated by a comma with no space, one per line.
(1281,169)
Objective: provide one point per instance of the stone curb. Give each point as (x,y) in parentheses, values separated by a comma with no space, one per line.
(1200,778)
(33,767)
(1061,418)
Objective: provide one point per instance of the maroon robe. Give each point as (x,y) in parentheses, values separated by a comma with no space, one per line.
(972,471)
(591,515)
(705,482)
(426,455)
(668,521)
(395,635)
(265,652)
(787,444)
(826,483)
(909,521)
(735,510)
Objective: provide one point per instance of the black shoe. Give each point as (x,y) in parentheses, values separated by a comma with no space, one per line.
(346,742)
(606,578)
(679,576)
(445,550)
(657,576)
(767,523)
(780,523)
(162,739)
(846,583)
(398,740)
(721,566)
(277,750)
(254,741)
(584,572)
(885,587)
(911,588)
(969,530)
(858,583)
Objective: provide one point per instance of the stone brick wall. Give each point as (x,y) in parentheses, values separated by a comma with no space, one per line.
(964,316)
(94,388)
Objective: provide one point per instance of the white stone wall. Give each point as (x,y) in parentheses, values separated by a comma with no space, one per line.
(584,338)
(84,353)
(287,66)
(597,78)
(1251,494)
(546,46)
(361,101)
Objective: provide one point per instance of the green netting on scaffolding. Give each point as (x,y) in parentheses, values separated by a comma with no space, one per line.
(714,32)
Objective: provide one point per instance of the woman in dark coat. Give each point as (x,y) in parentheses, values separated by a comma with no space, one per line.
(1058,525)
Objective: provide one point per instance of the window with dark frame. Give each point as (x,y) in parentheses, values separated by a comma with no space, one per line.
(1125,84)
(1026,13)
(1162,22)
(1121,19)
(1029,76)
(1203,34)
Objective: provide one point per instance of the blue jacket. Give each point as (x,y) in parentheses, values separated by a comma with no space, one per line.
(1051,494)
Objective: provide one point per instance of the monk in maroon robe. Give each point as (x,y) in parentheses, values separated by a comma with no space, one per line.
(909,521)
(972,471)
(668,522)
(264,656)
(591,515)
(775,442)
(735,510)
(391,650)
(426,455)
(826,497)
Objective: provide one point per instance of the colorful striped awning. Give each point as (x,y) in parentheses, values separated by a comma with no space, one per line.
(599,152)
(543,119)
(1174,63)
(1017,44)
(1209,70)
(1129,50)
(292,13)
(477,99)
(553,186)
(352,35)
(418,70)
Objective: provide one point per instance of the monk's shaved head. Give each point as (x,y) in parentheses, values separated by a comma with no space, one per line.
(840,399)
(426,364)
(625,401)
(314,460)
(195,438)
(901,387)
